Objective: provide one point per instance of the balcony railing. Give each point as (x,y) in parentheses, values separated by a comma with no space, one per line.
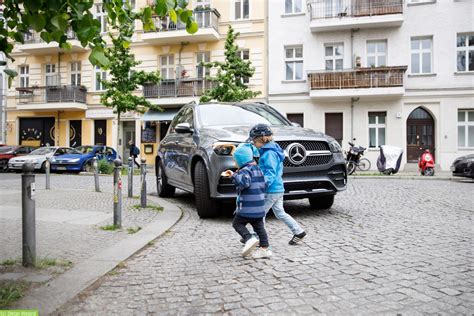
(33,37)
(377,77)
(52,94)
(204,18)
(327,9)
(177,88)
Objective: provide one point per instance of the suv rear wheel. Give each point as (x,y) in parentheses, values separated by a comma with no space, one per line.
(162,186)
(321,202)
(206,206)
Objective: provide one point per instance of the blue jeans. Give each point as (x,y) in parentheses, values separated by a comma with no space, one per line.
(275,202)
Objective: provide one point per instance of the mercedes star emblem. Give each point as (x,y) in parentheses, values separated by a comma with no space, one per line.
(296,153)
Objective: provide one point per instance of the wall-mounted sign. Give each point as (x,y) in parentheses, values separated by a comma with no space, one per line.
(100,113)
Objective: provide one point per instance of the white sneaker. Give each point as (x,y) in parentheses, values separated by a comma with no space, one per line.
(261,253)
(249,246)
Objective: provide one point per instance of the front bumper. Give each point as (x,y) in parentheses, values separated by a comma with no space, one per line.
(19,165)
(66,167)
(463,169)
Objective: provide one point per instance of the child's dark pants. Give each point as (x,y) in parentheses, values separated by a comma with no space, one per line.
(258,227)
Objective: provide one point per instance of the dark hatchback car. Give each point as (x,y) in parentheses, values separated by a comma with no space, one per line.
(463,167)
(199,143)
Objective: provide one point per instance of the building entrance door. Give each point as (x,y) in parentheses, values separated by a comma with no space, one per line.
(128,135)
(75,133)
(333,123)
(420,134)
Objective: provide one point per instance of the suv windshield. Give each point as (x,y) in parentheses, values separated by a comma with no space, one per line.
(249,114)
(84,149)
(43,151)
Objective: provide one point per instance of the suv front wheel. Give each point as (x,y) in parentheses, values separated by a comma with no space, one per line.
(321,202)
(162,186)
(206,206)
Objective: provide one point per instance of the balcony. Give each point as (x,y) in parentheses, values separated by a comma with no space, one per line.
(168,32)
(34,44)
(376,82)
(176,91)
(335,15)
(52,98)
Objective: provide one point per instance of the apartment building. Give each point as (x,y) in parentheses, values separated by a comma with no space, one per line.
(56,97)
(382,71)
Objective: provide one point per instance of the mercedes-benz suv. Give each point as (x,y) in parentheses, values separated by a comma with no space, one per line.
(199,144)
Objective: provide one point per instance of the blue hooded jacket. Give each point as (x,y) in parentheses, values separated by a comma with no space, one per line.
(271,163)
(249,183)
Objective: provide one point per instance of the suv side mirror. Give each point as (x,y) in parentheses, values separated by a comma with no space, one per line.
(183,128)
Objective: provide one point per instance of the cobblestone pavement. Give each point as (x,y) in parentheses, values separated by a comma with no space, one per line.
(71,242)
(386,246)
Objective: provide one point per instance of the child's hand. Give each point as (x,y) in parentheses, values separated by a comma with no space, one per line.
(227,173)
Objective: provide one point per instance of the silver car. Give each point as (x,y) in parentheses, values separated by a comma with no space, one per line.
(199,143)
(38,157)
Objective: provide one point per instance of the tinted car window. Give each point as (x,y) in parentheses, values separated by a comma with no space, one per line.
(22,150)
(85,149)
(223,114)
(109,151)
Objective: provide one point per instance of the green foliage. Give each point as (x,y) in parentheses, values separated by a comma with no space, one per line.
(228,84)
(105,167)
(133,230)
(51,262)
(109,227)
(11,292)
(9,262)
(52,19)
(152,207)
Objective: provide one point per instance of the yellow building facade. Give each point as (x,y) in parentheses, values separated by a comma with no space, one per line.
(55,100)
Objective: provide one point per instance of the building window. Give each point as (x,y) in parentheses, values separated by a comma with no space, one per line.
(465,52)
(421,55)
(167,67)
(376,53)
(377,129)
(101,15)
(51,78)
(466,128)
(24,76)
(334,56)
(293,6)
(296,118)
(201,71)
(244,54)
(421,1)
(241,8)
(294,63)
(76,73)
(100,75)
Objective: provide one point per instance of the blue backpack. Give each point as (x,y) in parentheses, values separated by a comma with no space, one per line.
(136,151)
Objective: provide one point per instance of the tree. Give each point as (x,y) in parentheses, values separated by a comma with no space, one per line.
(228,85)
(52,19)
(124,80)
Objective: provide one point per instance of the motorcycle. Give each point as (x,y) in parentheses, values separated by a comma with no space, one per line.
(354,160)
(389,159)
(426,163)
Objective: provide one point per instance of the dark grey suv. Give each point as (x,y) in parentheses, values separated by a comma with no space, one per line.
(199,143)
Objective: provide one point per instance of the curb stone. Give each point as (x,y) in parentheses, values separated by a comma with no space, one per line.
(52,295)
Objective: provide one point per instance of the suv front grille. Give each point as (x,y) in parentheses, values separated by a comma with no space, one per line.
(309,146)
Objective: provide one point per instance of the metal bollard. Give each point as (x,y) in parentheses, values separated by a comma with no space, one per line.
(96,174)
(118,193)
(47,166)
(28,215)
(130,177)
(143,183)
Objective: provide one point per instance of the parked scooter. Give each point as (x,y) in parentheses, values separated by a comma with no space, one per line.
(389,159)
(354,160)
(426,163)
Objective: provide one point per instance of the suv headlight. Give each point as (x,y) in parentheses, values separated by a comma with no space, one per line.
(335,147)
(223,148)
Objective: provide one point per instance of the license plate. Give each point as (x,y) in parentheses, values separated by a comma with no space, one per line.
(452,168)
(60,168)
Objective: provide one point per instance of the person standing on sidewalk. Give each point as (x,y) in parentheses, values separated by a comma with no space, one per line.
(250,185)
(134,152)
(271,163)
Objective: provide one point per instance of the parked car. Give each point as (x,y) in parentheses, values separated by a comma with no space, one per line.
(81,158)
(38,157)
(463,166)
(8,152)
(199,143)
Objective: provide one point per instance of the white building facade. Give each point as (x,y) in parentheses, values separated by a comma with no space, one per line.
(381,71)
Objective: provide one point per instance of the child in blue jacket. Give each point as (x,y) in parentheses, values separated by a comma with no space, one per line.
(271,163)
(250,185)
